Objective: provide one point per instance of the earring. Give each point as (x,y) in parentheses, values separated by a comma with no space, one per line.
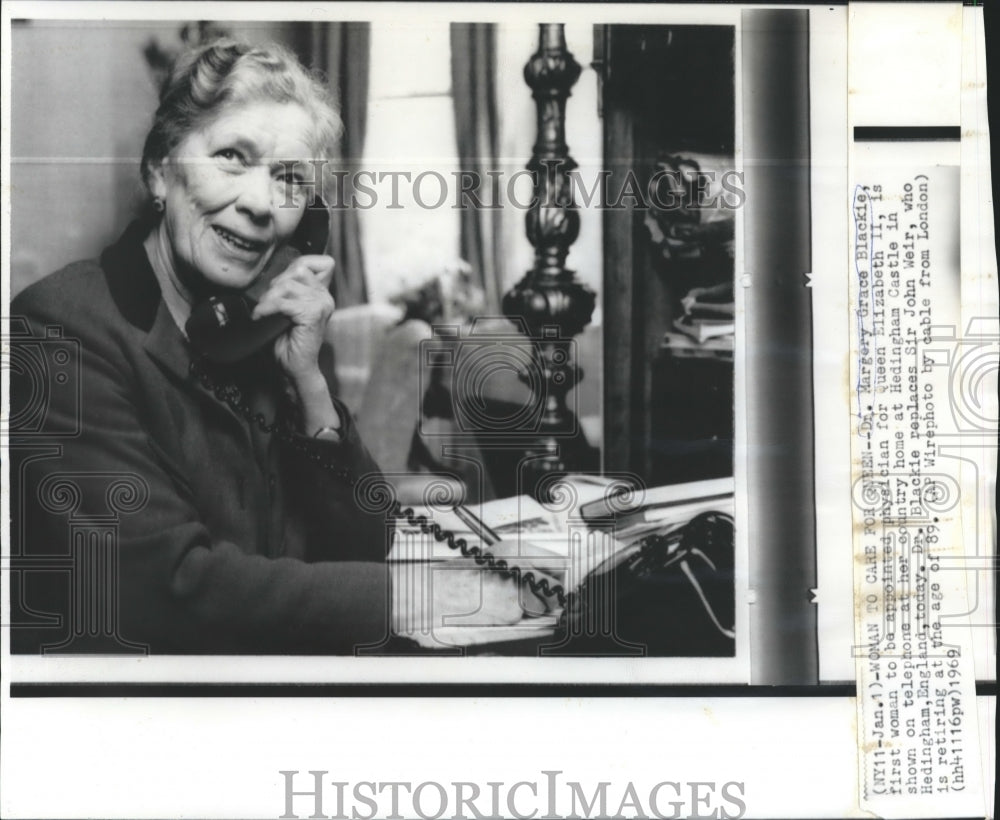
(158,205)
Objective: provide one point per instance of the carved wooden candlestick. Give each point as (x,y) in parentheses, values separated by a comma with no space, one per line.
(553,305)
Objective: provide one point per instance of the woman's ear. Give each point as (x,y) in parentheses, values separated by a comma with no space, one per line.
(155,179)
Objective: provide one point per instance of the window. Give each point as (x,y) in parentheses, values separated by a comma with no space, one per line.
(412,230)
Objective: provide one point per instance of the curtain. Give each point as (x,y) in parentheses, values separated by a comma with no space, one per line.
(473,83)
(341,52)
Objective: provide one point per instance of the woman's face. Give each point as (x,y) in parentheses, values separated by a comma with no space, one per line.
(234,192)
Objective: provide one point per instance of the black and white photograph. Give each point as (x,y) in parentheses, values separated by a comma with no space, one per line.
(387,381)
(390,414)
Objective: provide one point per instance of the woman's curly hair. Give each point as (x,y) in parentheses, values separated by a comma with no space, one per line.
(226,73)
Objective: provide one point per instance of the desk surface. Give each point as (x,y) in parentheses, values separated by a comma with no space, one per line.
(437,593)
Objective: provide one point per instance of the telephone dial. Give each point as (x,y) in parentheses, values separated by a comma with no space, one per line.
(673,593)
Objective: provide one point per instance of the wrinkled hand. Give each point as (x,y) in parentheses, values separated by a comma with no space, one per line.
(520,555)
(483,597)
(468,596)
(302,293)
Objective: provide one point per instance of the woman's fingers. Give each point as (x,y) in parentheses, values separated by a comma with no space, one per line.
(303,308)
(292,288)
(302,300)
(313,270)
(301,294)
(312,267)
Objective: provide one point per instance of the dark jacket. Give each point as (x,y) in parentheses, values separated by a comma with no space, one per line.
(145,508)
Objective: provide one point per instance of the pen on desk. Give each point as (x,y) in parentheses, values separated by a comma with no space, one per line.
(479,527)
(492,533)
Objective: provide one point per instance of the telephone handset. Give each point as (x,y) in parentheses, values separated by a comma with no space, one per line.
(221,328)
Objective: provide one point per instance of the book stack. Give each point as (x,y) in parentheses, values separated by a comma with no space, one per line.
(704,319)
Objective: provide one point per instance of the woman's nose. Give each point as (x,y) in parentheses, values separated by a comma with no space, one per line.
(256,194)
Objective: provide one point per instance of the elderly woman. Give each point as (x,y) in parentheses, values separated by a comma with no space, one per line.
(246,535)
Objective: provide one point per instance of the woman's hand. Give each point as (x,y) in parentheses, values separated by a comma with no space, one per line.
(302,293)
(470,596)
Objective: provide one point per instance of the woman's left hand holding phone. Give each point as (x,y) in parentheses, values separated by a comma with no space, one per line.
(302,293)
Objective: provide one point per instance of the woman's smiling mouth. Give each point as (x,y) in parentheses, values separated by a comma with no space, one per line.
(238,242)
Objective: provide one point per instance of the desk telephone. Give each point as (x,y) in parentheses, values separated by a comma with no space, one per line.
(654,581)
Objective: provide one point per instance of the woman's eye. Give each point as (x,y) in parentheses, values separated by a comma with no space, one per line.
(229,155)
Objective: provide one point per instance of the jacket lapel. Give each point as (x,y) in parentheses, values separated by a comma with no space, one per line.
(167,346)
(136,293)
